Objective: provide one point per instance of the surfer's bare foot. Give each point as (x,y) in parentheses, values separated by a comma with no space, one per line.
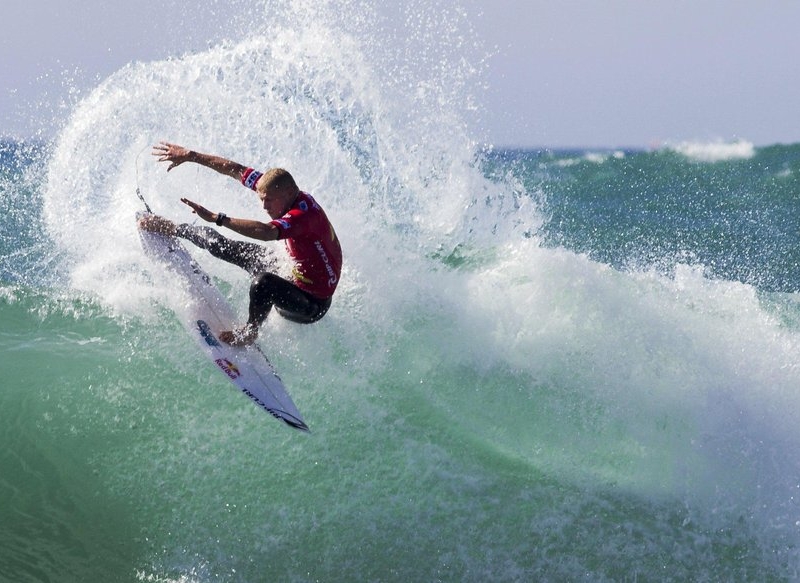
(243,336)
(157,225)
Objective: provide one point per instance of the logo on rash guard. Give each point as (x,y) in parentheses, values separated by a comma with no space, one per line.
(328,267)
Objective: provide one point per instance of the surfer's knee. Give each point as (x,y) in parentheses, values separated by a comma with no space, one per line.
(263,285)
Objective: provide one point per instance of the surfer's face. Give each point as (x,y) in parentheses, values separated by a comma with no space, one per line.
(276,202)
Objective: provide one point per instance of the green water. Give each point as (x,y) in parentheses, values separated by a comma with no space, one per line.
(538,366)
(123,464)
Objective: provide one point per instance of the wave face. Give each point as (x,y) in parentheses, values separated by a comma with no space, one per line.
(524,375)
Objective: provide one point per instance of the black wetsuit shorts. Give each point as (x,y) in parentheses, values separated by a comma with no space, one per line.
(267,289)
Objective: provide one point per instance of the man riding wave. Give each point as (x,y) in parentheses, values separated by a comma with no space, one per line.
(297,218)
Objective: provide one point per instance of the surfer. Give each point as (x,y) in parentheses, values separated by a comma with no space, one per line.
(296,218)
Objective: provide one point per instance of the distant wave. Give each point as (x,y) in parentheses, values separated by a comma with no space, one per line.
(595,157)
(717,151)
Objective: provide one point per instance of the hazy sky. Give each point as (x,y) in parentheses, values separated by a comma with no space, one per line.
(564,73)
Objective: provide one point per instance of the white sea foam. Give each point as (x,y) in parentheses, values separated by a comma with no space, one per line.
(679,388)
(716,151)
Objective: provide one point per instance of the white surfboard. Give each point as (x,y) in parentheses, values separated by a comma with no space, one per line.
(207,313)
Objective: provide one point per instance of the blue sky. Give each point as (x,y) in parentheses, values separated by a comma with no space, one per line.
(562,73)
(628,72)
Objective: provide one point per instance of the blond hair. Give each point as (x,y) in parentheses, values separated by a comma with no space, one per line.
(277,179)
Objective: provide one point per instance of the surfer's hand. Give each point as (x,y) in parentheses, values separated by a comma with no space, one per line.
(173,153)
(200,210)
(157,224)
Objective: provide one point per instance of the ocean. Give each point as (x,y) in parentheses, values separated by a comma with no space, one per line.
(540,365)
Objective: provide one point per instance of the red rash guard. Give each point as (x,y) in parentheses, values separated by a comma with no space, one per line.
(311,242)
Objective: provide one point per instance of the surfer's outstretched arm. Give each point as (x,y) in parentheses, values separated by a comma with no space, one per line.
(246,227)
(177,155)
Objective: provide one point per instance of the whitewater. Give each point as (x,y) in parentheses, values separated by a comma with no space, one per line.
(538,366)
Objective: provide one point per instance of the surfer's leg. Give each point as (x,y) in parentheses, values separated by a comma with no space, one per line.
(265,291)
(291,302)
(251,257)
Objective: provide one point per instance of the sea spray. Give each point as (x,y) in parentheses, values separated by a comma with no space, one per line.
(485,404)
